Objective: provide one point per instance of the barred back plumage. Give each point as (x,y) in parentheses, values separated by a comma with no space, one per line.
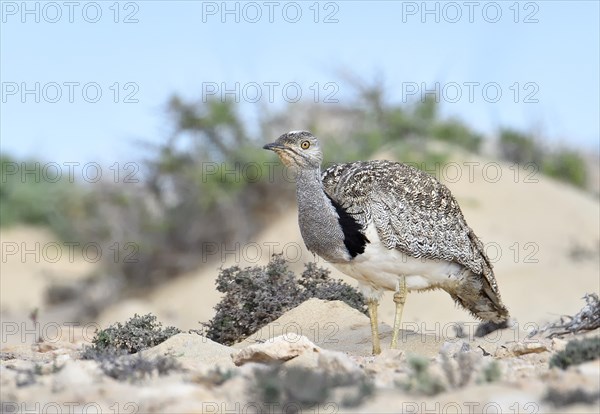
(412,211)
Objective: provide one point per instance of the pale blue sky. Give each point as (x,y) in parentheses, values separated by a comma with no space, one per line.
(176,46)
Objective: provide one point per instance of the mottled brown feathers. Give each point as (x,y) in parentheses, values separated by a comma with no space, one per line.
(412,211)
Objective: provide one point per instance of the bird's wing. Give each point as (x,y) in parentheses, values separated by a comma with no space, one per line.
(411,210)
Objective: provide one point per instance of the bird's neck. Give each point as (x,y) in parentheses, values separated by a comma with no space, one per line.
(309,190)
(309,179)
(317,217)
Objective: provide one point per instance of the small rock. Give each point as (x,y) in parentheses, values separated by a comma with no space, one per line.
(52,349)
(389,359)
(559,344)
(44,347)
(193,352)
(76,374)
(590,369)
(337,362)
(452,348)
(47,369)
(523,348)
(279,349)
(19,365)
(502,352)
(306,360)
(384,367)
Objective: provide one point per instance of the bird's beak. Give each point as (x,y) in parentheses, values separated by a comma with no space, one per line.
(273,146)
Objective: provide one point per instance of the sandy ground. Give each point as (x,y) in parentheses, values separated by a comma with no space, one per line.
(31,259)
(219,379)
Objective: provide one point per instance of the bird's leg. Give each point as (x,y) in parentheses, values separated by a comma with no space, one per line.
(399,300)
(372,304)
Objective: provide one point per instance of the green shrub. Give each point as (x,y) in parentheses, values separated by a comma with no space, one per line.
(566,165)
(305,388)
(560,398)
(576,352)
(137,368)
(402,124)
(138,333)
(492,372)
(519,147)
(455,132)
(36,198)
(420,380)
(255,296)
(317,284)
(31,375)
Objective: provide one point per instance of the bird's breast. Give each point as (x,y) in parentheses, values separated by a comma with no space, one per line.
(324,238)
(381,268)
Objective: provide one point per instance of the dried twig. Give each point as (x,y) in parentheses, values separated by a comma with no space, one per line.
(587,319)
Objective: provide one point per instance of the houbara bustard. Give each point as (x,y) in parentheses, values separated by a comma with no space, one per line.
(391,227)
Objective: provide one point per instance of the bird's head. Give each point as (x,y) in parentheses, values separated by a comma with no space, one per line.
(298,150)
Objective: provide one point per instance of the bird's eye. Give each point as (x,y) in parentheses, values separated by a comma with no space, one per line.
(305,145)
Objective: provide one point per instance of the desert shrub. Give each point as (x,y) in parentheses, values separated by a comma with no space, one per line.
(576,352)
(30,376)
(138,333)
(560,398)
(402,124)
(136,368)
(420,380)
(491,372)
(459,374)
(518,147)
(317,284)
(456,132)
(303,388)
(460,369)
(31,196)
(214,377)
(255,296)
(27,376)
(566,165)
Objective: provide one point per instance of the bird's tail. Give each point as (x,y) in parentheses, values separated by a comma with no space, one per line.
(477,296)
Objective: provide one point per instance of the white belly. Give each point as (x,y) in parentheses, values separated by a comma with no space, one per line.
(379,269)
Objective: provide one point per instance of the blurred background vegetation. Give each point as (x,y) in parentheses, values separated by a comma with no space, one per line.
(211,182)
